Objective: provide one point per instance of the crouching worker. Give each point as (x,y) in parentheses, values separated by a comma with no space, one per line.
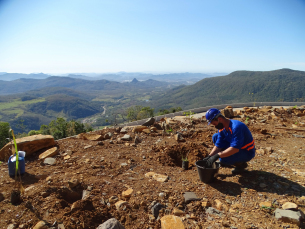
(234,144)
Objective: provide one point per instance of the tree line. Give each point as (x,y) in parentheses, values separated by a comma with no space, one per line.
(59,128)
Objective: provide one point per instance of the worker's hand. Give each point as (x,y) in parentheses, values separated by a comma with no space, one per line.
(211,160)
(206,158)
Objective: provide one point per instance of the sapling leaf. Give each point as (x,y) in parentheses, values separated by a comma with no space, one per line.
(16,151)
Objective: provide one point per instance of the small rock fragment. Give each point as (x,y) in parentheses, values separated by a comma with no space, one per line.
(190,196)
(156,208)
(120,204)
(213,211)
(127,193)
(73,182)
(111,224)
(49,161)
(290,206)
(126,137)
(40,225)
(178,212)
(266,204)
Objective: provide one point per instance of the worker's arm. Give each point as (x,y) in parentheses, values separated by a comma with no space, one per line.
(215,150)
(228,152)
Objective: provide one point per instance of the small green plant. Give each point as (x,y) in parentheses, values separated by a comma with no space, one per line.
(185,158)
(247,119)
(16,151)
(267,208)
(19,184)
(295,107)
(169,130)
(189,114)
(296,123)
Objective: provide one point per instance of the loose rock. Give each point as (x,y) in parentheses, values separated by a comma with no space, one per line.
(290,206)
(111,224)
(49,161)
(40,225)
(190,196)
(288,216)
(171,222)
(49,153)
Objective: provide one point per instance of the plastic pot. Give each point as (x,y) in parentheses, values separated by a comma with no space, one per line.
(185,165)
(207,175)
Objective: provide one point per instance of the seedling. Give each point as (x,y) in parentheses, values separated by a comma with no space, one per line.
(21,189)
(185,158)
(169,130)
(16,151)
(247,119)
(190,114)
(295,107)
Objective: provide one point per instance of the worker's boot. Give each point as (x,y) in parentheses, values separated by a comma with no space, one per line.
(226,165)
(240,167)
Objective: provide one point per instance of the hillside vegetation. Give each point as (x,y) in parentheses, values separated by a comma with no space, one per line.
(40,101)
(239,86)
(104,102)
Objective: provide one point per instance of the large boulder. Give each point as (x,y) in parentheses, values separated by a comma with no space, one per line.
(28,144)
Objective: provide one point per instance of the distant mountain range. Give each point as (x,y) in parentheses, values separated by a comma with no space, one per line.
(27,103)
(182,78)
(237,87)
(89,86)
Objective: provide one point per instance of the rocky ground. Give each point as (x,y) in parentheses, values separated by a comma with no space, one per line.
(140,182)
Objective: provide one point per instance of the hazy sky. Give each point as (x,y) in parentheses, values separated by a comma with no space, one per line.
(75,36)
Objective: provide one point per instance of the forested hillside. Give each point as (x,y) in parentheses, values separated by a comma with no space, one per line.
(82,99)
(40,101)
(239,86)
(88,86)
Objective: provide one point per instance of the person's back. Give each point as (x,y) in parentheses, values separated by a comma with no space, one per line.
(238,136)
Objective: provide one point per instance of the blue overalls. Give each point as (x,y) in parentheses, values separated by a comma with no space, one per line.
(237,136)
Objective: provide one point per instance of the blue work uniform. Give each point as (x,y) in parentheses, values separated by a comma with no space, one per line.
(237,136)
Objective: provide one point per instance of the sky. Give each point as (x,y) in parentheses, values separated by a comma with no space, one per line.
(156,36)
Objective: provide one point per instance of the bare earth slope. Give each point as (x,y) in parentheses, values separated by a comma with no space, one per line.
(105,169)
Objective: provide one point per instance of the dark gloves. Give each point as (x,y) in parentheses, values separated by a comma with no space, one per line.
(206,158)
(211,160)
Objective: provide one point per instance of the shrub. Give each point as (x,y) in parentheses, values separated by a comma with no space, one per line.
(33,132)
(4,133)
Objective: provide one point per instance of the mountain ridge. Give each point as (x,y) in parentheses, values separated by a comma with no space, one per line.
(238,86)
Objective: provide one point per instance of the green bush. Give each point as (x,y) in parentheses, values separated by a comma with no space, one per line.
(4,133)
(33,132)
(60,128)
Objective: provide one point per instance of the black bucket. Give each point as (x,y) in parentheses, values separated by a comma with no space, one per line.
(207,175)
